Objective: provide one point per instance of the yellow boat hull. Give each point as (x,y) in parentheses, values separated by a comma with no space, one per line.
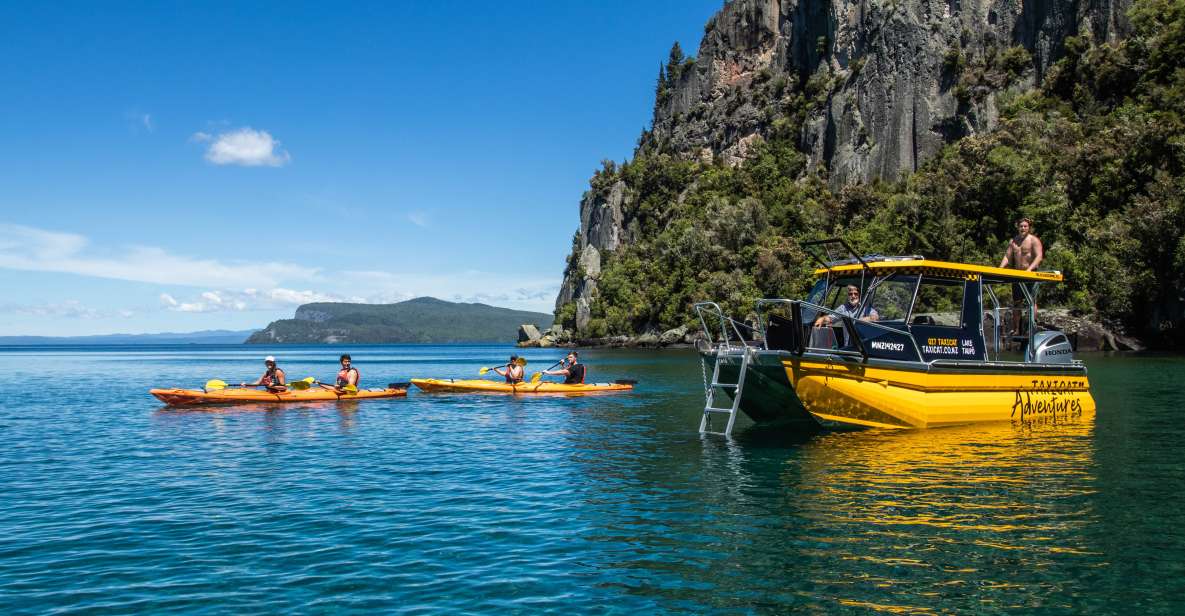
(856,395)
(813,390)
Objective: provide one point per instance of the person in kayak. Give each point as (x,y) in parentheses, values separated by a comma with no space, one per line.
(572,370)
(273,378)
(348,375)
(514,370)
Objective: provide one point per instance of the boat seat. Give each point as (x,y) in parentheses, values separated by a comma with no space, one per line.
(827,337)
(779,334)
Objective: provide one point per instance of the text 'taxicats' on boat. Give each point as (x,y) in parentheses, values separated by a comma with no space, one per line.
(893,342)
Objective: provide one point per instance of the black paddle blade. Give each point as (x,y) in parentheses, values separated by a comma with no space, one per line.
(626,382)
(399,385)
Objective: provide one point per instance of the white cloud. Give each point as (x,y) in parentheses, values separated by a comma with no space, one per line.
(420,219)
(69,309)
(494,288)
(226,300)
(146,120)
(244,146)
(38,250)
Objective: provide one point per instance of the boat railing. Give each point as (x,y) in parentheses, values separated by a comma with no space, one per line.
(715,321)
(859,341)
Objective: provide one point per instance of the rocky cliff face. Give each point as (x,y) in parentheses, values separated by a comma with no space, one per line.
(871,89)
(889,73)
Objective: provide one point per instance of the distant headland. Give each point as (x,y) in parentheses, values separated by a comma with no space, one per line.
(424,320)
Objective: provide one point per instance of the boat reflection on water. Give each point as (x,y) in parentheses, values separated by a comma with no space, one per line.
(898,520)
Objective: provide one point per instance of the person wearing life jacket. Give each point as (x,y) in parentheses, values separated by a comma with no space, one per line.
(273,378)
(348,375)
(573,371)
(514,370)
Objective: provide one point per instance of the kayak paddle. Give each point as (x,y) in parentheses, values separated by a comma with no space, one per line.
(349,389)
(522,361)
(302,384)
(536,377)
(216,384)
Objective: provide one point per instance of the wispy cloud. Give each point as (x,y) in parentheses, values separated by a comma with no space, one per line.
(244,146)
(419,219)
(140,121)
(478,286)
(243,286)
(38,250)
(70,309)
(226,300)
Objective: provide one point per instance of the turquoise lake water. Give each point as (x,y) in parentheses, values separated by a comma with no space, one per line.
(110,502)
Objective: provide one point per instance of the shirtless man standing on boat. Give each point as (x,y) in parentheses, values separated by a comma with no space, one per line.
(1024,252)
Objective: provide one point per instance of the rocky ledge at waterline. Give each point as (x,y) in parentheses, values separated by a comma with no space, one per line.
(1085,335)
(530,336)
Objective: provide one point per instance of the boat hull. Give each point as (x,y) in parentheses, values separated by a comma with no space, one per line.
(843,392)
(195,397)
(499,387)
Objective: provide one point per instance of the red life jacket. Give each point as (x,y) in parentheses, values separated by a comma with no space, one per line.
(270,378)
(343,377)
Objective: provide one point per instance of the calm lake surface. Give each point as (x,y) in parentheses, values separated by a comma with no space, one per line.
(483,503)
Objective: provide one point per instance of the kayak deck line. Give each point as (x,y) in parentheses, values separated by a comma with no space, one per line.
(192,397)
(542,387)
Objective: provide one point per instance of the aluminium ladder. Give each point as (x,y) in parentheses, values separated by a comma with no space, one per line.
(724,352)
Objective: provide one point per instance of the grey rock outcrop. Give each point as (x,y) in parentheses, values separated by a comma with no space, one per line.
(674,335)
(527,332)
(887,72)
(1086,334)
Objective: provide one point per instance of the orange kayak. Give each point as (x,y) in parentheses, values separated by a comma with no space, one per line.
(542,387)
(235,395)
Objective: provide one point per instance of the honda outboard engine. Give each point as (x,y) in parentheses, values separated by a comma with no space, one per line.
(1051,347)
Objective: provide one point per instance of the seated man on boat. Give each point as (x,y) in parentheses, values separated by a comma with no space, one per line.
(850,308)
(273,377)
(348,375)
(572,370)
(514,369)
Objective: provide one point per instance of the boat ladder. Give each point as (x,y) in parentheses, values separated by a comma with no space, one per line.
(724,352)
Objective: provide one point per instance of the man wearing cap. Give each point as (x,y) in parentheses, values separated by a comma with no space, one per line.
(273,379)
(514,370)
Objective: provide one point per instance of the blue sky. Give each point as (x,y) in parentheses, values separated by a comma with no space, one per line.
(186,166)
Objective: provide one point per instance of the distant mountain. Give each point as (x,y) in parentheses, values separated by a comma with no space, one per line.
(212,336)
(420,320)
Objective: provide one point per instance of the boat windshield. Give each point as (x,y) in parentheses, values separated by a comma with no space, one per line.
(835,294)
(892,296)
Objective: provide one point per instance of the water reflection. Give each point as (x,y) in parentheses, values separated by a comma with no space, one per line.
(879,520)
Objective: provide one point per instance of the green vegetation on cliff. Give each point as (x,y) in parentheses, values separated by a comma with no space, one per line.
(420,320)
(1095,155)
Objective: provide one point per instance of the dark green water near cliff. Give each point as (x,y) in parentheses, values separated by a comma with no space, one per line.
(435,503)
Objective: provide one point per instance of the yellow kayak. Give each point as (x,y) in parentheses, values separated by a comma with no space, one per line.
(542,387)
(235,395)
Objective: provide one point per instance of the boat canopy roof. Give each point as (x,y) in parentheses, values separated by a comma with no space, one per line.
(944,269)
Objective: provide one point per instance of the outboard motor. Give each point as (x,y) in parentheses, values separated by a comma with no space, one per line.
(1051,347)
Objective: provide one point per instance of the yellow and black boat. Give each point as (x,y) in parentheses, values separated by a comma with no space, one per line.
(893,342)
